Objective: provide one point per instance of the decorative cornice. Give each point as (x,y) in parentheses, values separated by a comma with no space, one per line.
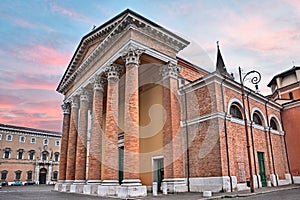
(132,55)
(169,70)
(113,71)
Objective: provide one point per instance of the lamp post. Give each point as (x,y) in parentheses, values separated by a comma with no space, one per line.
(254,80)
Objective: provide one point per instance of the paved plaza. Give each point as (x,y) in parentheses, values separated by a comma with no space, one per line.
(45,192)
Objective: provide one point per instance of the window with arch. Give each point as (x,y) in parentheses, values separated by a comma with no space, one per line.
(33,140)
(18,175)
(4,175)
(257,119)
(20,154)
(31,154)
(55,175)
(29,175)
(44,155)
(6,154)
(235,111)
(56,156)
(291,95)
(9,137)
(273,124)
(22,139)
(45,142)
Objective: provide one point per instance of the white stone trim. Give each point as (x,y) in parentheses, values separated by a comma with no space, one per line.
(214,184)
(202,118)
(296,179)
(278,123)
(261,114)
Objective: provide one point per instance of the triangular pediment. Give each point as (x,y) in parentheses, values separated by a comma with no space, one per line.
(120,23)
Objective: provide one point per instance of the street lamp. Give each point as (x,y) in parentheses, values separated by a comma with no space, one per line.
(254,80)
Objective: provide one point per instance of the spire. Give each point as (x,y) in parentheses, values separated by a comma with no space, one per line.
(220,65)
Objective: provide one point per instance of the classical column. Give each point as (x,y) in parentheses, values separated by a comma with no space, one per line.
(131,118)
(97,131)
(64,142)
(172,139)
(71,155)
(110,150)
(81,146)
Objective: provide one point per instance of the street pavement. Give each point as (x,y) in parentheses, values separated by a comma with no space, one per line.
(46,192)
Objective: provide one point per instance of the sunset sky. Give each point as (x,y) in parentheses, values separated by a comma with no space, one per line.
(38,39)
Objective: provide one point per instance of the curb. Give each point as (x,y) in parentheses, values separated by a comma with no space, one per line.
(251,194)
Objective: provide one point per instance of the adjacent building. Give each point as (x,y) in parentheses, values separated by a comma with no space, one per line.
(286,91)
(28,155)
(137,116)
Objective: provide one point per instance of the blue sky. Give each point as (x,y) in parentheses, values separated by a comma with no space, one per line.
(38,39)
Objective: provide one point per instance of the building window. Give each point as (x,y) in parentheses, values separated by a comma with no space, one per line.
(31,154)
(0,136)
(55,175)
(18,175)
(235,112)
(257,119)
(56,156)
(33,140)
(291,95)
(22,139)
(57,143)
(45,141)
(7,153)
(4,175)
(273,124)
(44,155)
(9,137)
(20,154)
(29,175)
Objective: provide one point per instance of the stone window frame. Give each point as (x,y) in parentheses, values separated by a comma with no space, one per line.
(11,137)
(17,174)
(31,152)
(46,141)
(277,122)
(22,139)
(56,156)
(55,175)
(46,154)
(4,173)
(33,140)
(263,118)
(5,151)
(57,142)
(29,175)
(20,152)
(239,104)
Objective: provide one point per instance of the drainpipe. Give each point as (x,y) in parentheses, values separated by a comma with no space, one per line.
(285,146)
(252,138)
(270,141)
(226,136)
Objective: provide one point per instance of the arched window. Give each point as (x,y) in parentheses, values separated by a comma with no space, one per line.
(257,119)
(235,111)
(9,137)
(29,175)
(55,175)
(31,154)
(273,124)
(44,155)
(6,154)
(56,156)
(20,154)
(4,175)
(291,95)
(18,175)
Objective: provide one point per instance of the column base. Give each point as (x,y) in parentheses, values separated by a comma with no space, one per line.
(77,186)
(91,187)
(108,188)
(174,185)
(131,188)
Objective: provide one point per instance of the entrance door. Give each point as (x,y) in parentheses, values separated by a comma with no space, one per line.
(121,164)
(43,176)
(158,172)
(262,172)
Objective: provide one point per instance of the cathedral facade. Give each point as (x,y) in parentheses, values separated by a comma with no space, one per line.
(139,118)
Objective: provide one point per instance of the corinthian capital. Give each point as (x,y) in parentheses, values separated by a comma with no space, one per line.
(74,102)
(66,108)
(85,94)
(98,82)
(132,56)
(169,70)
(113,71)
